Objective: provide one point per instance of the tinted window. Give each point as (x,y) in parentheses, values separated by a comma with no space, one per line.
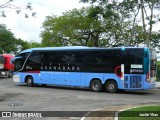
(105,57)
(49,57)
(18,64)
(132,56)
(67,57)
(34,58)
(23,55)
(83,56)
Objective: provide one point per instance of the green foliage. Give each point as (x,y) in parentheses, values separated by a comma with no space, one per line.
(126,16)
(10,44)
(150,113)
(92,27)
(75,27)
(7,40)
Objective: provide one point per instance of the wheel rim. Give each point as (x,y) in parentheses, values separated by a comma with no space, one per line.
(29,81)
(111,87)
(96,86)
(11,74)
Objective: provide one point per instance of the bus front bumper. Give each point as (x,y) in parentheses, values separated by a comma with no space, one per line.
(16,78)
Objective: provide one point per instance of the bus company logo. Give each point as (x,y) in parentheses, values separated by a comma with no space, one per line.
(136,70)
(6,114)
(60,67)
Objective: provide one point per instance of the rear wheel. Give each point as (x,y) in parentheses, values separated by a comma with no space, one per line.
(96,86)
(111,87)
(29,81)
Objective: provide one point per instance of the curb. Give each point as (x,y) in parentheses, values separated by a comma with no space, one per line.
(83,118)
(116,114)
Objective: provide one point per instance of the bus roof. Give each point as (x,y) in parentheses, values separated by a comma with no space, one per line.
(56,48)
(73,47)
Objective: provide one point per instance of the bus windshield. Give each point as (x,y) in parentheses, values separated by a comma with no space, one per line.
(18,64)
(19,60)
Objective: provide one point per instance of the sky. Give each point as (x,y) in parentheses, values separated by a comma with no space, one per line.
(29,29)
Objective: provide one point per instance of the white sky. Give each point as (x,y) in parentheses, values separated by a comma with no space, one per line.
(29,29)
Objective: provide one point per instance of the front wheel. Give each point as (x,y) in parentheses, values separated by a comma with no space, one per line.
(10,74)
(111,87)
(96,86)
(30,81)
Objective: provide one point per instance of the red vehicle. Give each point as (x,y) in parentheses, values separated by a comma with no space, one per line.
(6,67)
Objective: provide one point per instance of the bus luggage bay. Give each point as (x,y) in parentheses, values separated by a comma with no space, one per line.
(112,69)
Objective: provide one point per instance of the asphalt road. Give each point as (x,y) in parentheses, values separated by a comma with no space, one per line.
(19,97)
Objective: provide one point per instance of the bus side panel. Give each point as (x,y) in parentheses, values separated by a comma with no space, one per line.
(148,85)
(113,77)
(36,77)
(45,77)
(72,78)
(21,76)
(90,76)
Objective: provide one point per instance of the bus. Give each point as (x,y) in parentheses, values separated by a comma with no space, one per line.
(110,69)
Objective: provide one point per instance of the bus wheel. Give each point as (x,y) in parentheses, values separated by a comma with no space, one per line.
(10,74)
(29,81)
(111,87)
(96,86)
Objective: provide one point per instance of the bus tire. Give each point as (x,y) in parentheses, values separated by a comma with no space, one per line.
(96,85)
(111,87)
(29,81)
(10,74)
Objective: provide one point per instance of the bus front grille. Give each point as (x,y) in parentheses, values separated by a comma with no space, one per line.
(133,81)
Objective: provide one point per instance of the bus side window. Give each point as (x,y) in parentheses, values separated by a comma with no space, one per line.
(35,58)
(83,57)
(104,57)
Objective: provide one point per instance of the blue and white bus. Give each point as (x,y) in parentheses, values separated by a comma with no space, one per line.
(110,69)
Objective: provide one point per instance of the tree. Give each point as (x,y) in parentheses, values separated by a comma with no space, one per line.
(9,4)
(128,11)
(23,45)
(74,27)
(150,15)
(92,27)
(7,40)
(155,39)
(10,44)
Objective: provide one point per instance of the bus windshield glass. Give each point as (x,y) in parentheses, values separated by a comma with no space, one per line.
(20,61)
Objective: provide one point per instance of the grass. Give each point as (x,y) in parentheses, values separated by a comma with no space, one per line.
(141,113)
